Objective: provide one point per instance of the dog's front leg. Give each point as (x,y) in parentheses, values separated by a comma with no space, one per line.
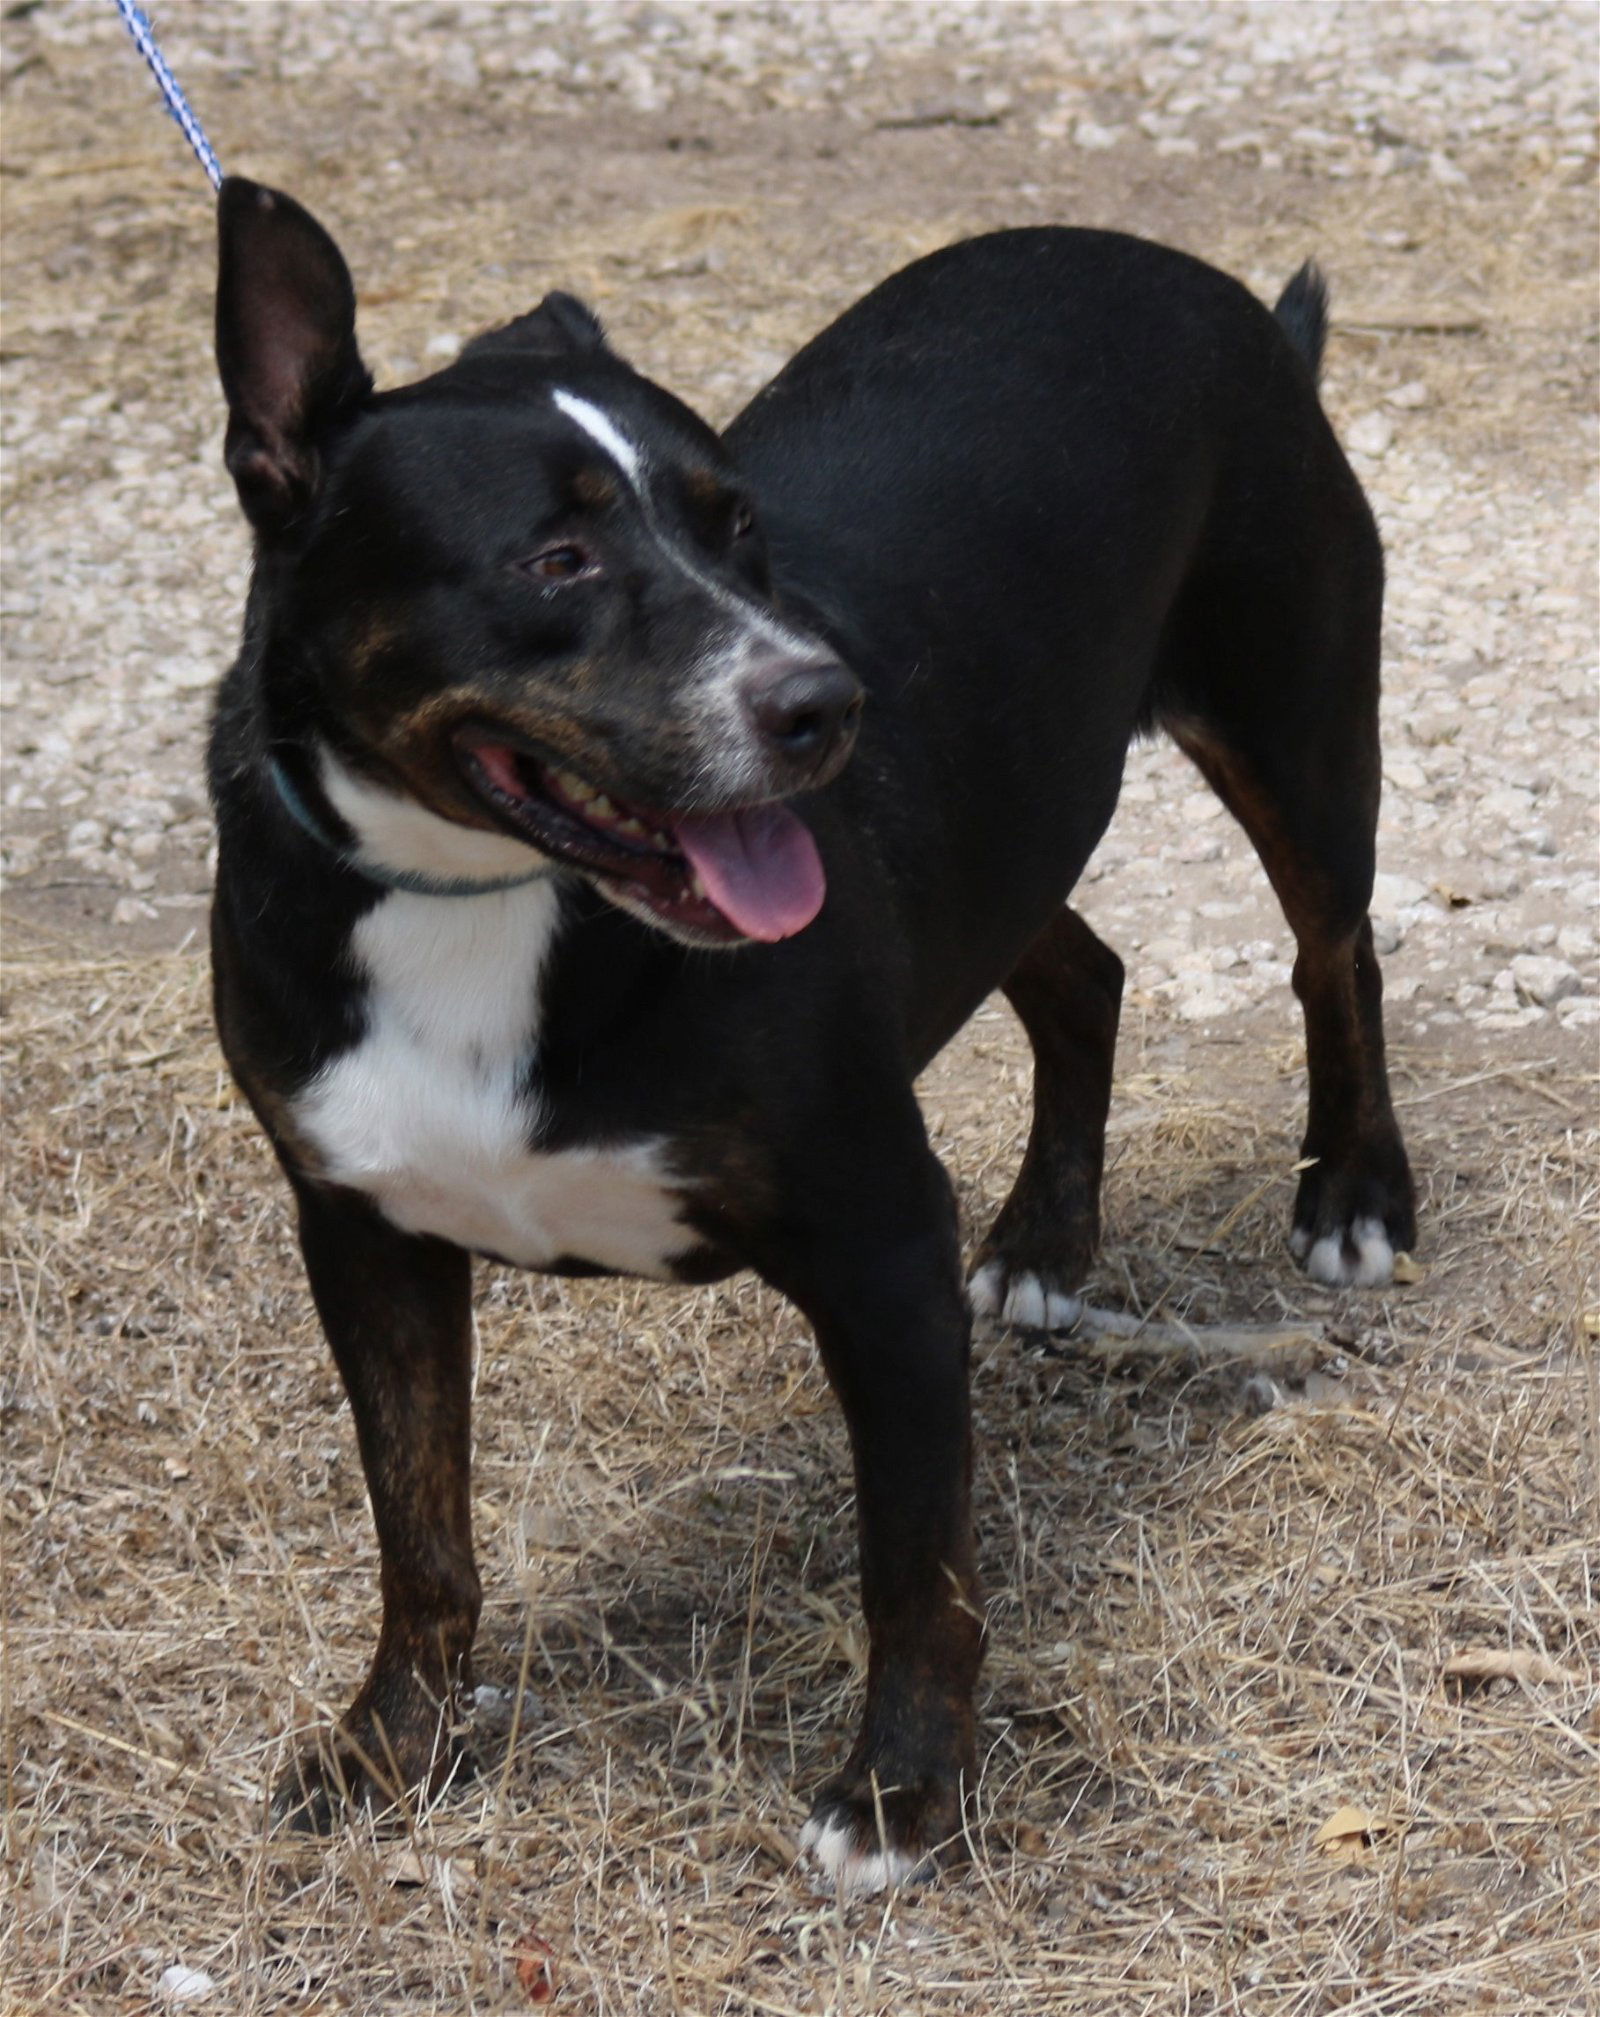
(397,1312)
(881,1283)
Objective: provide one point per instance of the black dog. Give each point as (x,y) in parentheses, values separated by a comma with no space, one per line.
(552,923)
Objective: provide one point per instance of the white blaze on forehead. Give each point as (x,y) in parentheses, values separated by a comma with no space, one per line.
(604,432)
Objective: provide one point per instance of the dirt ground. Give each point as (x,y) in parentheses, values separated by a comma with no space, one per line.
(1293,1697)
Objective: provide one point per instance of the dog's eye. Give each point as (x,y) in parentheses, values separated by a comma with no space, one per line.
(744,522)
(561,563)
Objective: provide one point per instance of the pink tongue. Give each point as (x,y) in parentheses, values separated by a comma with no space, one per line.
(760,868)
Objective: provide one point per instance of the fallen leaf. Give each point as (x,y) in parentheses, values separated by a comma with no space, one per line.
(536,1967)
(1407,1272)
(1495,1663)
(175,1468)
(1348,1835)
(406,1870)
(1591,1323)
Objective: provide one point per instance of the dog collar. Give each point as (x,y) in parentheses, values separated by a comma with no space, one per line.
(410,880)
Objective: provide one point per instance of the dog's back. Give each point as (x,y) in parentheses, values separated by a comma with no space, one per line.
(1046,490)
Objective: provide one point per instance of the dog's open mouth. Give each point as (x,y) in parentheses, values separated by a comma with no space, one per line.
(752,873)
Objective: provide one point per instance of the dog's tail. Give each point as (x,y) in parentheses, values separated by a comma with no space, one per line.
(1302,313)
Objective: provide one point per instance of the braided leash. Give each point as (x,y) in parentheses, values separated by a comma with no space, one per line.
(138,26)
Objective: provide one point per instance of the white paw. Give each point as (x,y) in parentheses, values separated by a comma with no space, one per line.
(1022,1300)
(849,1870)
(987,1289)
(1369,1267)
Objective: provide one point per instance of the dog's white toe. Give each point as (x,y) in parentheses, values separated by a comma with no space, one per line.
(1025,1302)
(1369,1266)
(987,1289)
(1037,1308)
(849,1870)
(1022,1300)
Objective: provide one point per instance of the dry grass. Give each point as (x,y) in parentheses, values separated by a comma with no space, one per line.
(1223,1595)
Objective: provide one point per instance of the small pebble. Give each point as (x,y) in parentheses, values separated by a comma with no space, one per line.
(184,1985)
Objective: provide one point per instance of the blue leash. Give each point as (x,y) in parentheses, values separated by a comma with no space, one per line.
(134,20)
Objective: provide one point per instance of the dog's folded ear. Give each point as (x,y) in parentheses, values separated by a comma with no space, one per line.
(561,326)
(286,348)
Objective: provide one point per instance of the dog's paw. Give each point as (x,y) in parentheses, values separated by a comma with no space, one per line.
(832,1847)
(1353,1215)
(344,1767)
(1357,1256)
(1020,1297)
(325,1777)
(856,1845)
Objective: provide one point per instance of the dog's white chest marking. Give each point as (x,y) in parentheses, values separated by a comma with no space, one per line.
(431,1113)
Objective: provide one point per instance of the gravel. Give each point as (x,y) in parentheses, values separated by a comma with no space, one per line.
(1440,156)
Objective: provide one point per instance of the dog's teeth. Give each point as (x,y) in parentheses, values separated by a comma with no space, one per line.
(601,806)
(634,828)
(574,786)
(697,887)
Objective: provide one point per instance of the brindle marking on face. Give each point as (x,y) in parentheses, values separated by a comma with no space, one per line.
(414,746)
(637,753)
(704,486)
(369,636)
(595,489)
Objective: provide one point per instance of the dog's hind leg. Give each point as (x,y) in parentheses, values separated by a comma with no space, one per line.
(1306,792)
(1067,992)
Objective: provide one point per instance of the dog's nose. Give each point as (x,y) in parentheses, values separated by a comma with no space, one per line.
(804,710)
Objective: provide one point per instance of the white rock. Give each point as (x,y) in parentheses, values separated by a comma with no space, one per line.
(1196,847)
(187,674)
(1516,1019)
(459,66)
(1543,980)
(1371,434)
(1198,1002)
(1393,893)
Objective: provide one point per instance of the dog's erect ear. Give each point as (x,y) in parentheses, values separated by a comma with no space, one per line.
(559,327)
(286,347)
